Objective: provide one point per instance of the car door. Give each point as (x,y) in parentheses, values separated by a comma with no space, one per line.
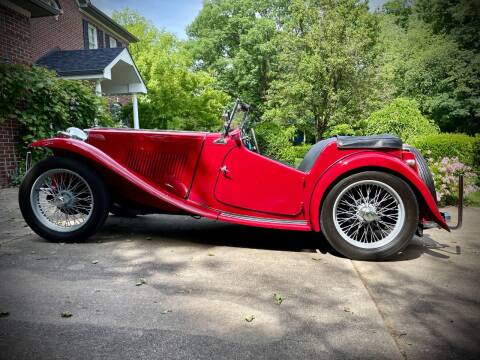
(254,182)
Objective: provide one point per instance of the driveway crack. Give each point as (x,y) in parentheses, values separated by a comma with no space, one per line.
(387,323)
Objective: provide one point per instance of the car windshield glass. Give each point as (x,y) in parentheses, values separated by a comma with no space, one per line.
(237,119)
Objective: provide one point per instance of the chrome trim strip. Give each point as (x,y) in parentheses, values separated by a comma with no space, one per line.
(264,220)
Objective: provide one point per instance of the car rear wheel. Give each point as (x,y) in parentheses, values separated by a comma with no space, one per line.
(63,200)
(370,215)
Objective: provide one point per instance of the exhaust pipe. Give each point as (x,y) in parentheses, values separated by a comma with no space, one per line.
(459,205)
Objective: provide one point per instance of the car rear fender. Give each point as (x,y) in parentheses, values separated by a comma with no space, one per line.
(104,162)
(373,161)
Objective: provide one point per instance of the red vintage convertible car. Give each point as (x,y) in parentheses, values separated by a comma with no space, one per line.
(368,195)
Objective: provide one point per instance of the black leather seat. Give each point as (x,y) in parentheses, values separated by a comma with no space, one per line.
(313,154)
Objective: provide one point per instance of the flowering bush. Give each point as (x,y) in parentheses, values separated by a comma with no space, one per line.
(445,174)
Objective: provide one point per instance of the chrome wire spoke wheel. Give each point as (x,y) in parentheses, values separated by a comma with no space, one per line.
(61,200)
(369,214)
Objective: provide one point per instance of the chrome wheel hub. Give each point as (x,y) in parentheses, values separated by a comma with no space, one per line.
(367,213)
(64,199)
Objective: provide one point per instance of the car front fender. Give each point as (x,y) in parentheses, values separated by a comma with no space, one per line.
(372,161)
(105,162)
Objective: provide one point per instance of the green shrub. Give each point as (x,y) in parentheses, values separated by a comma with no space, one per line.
(401,118)
(46,104)
(439,146)
(301,150)
(339,129)
(276,142)
(476,153)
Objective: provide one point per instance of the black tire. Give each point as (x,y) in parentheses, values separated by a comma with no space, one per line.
(423,170)
(391,248)
(101,200)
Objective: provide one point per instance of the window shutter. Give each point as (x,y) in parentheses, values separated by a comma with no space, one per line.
(100,38)
(107,41)
(85,34)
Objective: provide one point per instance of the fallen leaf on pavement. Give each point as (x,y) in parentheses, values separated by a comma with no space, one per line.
(316,258)
(249,318)
(346,309)
(4,314)
(95,262)
(210,254)
(66,314)
(141,281)
(279,298)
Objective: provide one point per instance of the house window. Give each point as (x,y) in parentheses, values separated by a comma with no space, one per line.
(113,42)
(92,37)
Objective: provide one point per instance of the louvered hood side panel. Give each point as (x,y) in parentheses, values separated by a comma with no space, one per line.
(166,159)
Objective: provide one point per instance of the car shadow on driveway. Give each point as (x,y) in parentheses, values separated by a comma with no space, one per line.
(184,229)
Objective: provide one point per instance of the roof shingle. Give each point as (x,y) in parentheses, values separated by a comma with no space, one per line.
(79,62)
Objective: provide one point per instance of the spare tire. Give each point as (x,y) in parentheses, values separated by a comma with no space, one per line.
(423,170)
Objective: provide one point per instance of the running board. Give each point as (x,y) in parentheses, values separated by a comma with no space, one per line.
(265,222)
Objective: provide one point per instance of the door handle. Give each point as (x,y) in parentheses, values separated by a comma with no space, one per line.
(224,169)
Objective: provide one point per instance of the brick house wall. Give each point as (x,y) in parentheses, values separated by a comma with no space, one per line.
(64,31)
(10,130)
(15,39)
(15,47)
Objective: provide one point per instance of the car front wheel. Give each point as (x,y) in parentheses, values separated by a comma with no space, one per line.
(63,199)
(370,215)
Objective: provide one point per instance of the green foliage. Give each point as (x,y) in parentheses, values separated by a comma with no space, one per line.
(179,97)
(276,142)
(434,70)
(340,129)
(46,104)
(401,118)
(437,146)
(301,150)
(458,18)
(326,64)
(233,39)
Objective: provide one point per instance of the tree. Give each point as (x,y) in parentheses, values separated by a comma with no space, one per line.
(434,70)
(326,64)
(458,18)
(233,39)
(179,97)
(401,118)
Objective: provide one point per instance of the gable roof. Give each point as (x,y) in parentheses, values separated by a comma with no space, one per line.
(96,13)
(79,62)
(113,67)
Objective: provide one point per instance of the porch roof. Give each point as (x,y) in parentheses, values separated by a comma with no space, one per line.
(114,67)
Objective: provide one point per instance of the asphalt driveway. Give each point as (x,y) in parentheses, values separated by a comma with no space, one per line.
(176,287)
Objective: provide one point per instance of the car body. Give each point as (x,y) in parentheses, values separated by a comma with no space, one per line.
(222,176)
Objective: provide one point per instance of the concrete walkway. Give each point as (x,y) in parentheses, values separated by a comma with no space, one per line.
(204,277)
